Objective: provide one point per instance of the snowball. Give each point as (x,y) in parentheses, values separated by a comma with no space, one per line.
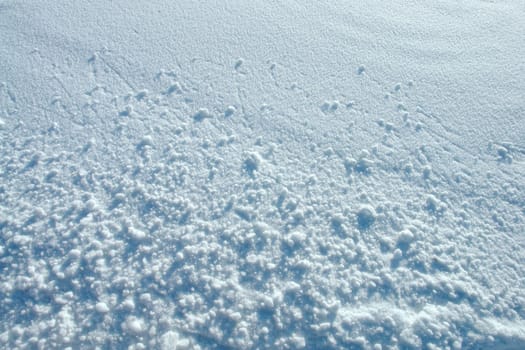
(366,216)
(298,342)
(252,162)
(405,237)
(134,325)
(102,307)
(201,114)
(229,111)
(128,304)
(136,234)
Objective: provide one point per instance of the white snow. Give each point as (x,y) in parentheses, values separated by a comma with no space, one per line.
(102,307)
(134,325)
(261,175)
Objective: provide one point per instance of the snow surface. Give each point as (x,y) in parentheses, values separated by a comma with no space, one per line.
(262,174)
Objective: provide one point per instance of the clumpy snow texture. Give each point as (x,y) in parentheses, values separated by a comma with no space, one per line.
(262,174)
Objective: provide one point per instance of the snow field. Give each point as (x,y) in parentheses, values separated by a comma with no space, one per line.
(237,200)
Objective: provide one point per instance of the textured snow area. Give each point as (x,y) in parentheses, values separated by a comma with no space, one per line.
(262,174)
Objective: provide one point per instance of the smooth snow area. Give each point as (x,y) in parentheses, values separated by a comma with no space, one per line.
(262,174)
